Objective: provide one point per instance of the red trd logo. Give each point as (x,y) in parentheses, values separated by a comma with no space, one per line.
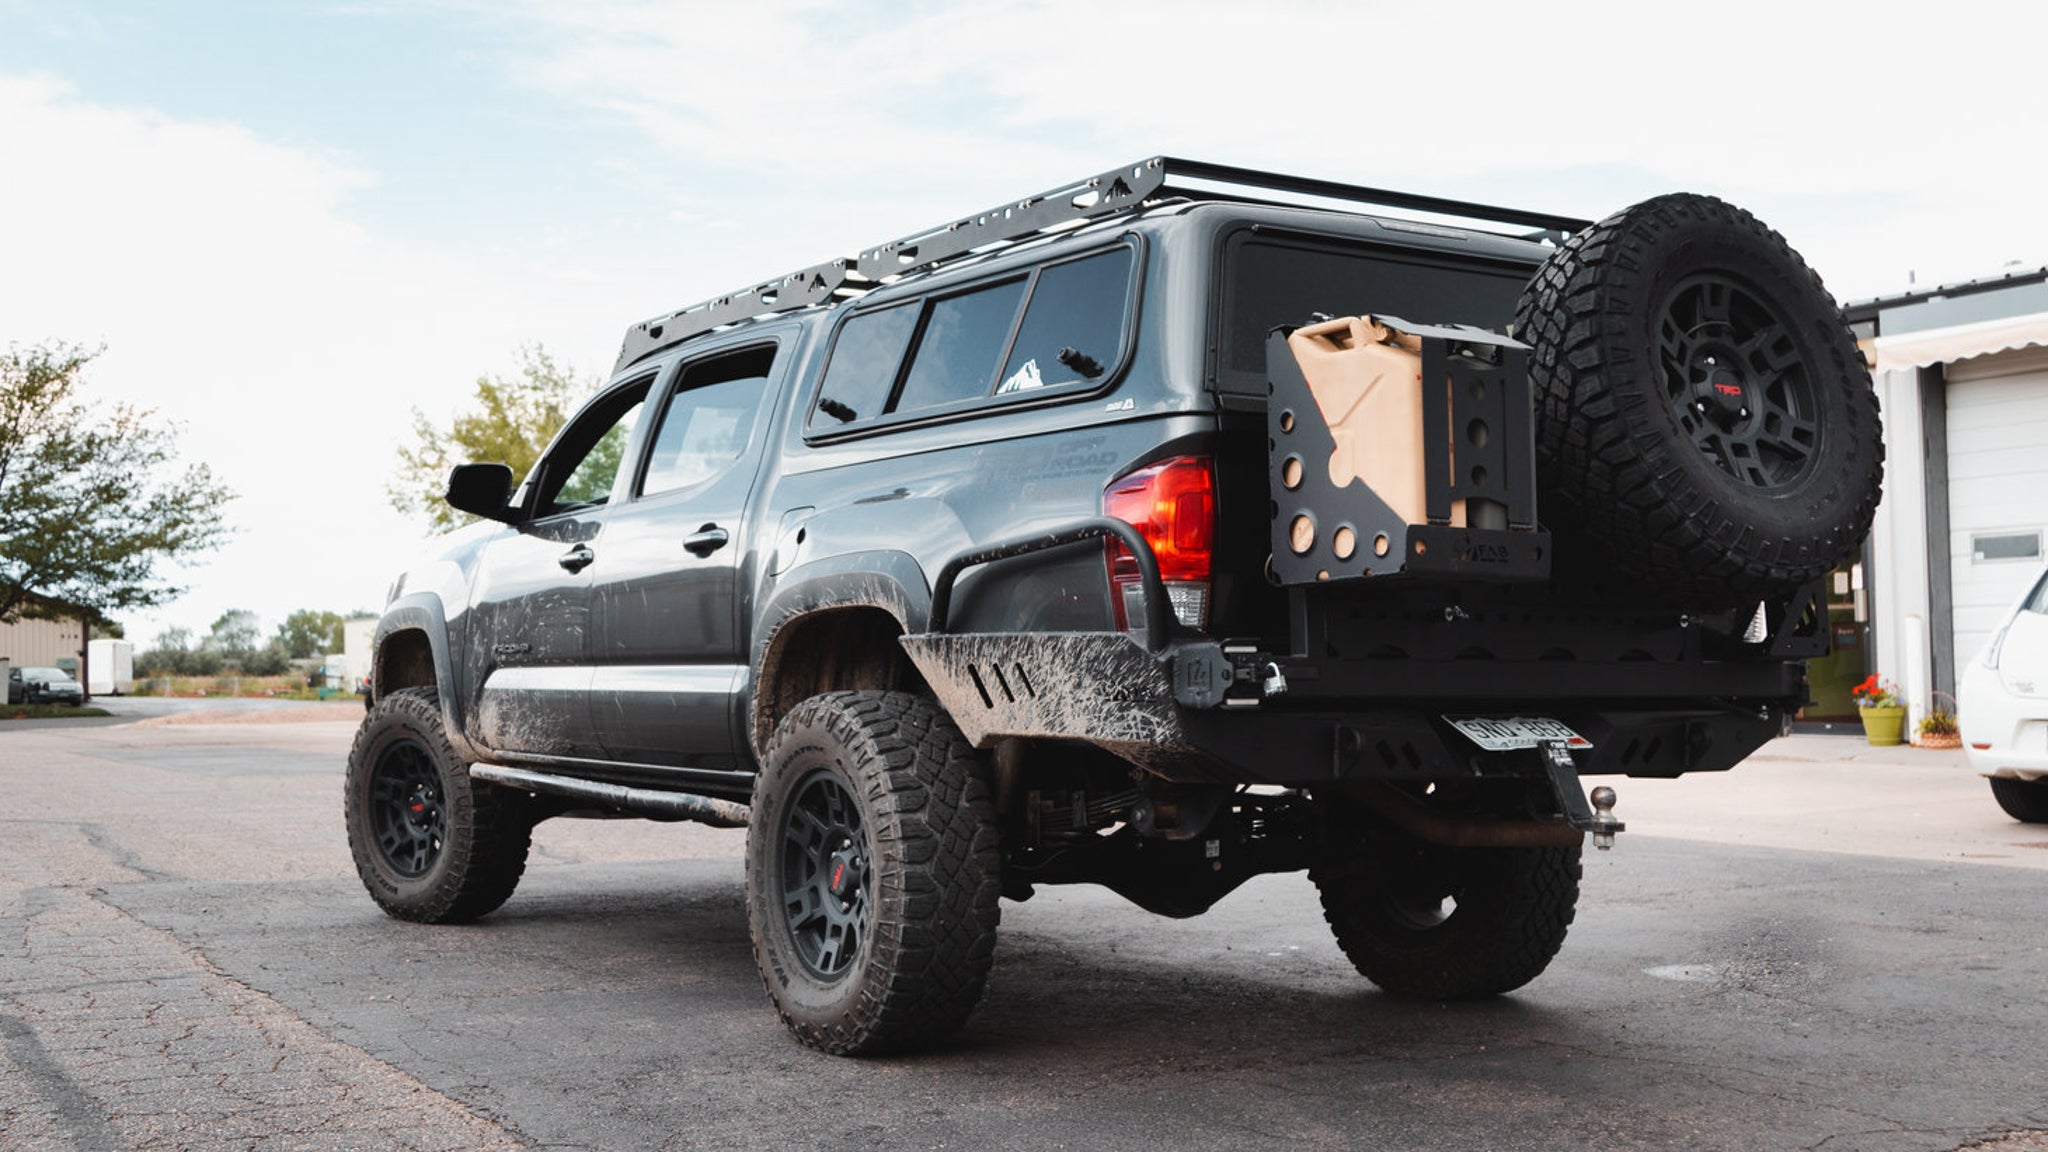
(1728,389)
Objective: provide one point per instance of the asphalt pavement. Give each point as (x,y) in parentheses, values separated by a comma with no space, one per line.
(1831,946)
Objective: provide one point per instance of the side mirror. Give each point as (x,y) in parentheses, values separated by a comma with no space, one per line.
(482,490)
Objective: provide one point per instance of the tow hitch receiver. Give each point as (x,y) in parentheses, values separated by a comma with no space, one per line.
(1597,817)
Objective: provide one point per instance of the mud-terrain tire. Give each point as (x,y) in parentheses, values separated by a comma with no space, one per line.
(1512,908)
(873,873)
(2024,800)
(1705,426)
(430,844)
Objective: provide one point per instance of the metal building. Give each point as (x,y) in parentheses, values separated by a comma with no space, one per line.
(1962,374)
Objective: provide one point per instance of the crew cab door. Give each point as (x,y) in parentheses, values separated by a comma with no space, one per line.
(670,659)
(530,620)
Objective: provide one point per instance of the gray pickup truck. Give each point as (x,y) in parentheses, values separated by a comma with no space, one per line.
(1171,527)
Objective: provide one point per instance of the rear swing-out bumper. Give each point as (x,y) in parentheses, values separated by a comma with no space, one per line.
(1654,692)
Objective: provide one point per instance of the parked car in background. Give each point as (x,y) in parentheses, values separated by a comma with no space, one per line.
(2004,708)
(42,685)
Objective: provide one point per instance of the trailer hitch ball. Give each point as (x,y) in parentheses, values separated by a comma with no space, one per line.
(1604,823)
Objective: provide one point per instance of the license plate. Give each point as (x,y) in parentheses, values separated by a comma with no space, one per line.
(1497,734)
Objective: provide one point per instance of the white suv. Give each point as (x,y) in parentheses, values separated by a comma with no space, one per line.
(2004,708)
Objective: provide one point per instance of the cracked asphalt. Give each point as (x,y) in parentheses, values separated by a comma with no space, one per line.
(187,962)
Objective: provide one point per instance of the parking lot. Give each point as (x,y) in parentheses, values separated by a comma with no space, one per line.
(1831,946)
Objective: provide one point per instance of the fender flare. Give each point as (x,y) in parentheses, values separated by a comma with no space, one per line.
(423,612)
(890,580)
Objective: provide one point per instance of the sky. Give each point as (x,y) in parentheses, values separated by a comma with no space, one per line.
(290,224)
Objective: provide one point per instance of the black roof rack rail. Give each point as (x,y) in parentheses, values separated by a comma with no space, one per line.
(1358,194)
(1067,206)
(818,284)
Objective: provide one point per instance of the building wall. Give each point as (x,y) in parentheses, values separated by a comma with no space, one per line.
(1966,442)
(46,642)
(1992,480)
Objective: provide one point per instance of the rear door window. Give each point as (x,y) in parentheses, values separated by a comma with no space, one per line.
(706,423)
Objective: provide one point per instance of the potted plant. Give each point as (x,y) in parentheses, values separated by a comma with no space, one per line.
(1938,728)
(1877,702)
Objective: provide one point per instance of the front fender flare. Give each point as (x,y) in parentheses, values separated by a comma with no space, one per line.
(423,612)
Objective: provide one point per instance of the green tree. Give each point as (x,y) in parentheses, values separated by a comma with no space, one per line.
(235,634)
(169,655)
(510,423)
(307,633)
(235,643)
(89,501)
(269,660)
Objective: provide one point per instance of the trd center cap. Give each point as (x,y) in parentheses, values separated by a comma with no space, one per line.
(1727,399)
(844,872)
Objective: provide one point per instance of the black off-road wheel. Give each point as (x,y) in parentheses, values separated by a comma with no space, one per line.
(2024,800)
(1705,427)
(430,844)
(873,873)
(1451,924)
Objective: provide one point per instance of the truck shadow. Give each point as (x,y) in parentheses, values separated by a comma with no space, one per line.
(626,996)
(1071,970)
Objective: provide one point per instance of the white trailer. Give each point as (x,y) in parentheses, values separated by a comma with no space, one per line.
(357,637)
(110,667)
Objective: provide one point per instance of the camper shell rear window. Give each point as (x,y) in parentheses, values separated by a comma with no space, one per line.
(1273,278)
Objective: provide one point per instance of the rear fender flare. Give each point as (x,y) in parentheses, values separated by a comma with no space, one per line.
(891,581)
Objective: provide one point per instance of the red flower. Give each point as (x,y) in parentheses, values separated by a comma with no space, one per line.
(1875,692)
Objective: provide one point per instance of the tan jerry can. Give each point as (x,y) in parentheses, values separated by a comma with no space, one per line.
(1367,382)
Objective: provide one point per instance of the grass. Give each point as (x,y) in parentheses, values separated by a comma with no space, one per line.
(246,687)
(49,712)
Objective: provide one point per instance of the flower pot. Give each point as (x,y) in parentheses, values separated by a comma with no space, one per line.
(1939,740)
(1884,725)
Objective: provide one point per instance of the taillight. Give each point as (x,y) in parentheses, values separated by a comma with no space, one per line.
(1172,504)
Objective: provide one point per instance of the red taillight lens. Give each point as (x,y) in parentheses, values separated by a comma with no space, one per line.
(1172,504)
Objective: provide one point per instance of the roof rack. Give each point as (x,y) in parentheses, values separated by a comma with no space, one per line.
(818,284)
(1360,194)
(1068,206)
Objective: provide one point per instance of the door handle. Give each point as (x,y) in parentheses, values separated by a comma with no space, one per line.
(706,540)
(578,558)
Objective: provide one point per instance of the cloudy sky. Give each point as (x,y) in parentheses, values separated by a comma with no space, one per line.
(288,223)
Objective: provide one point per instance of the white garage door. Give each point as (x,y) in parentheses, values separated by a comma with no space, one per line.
(1998,487)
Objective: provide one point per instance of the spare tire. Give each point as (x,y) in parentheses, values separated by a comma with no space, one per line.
(1705,427)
